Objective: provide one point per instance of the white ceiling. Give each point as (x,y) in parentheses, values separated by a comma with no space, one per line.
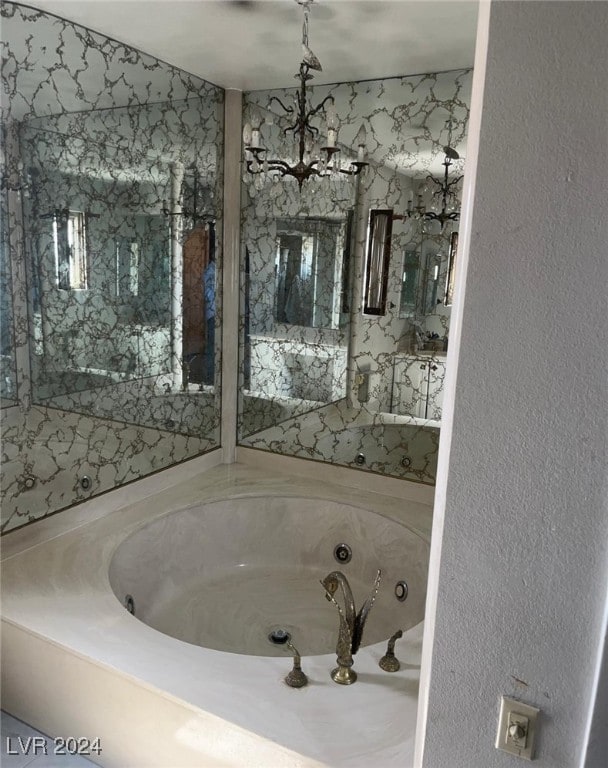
(255,44)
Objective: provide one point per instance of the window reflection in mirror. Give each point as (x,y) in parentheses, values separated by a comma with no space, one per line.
(450,282)
(429,272)
(127,267)
(432,271)
(70,249)
(409,282)
(309,261)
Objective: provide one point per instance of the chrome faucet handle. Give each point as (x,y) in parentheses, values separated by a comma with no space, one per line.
(389,662)
(296,678)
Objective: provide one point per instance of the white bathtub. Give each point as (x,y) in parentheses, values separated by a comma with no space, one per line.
(75,662)
(226,574)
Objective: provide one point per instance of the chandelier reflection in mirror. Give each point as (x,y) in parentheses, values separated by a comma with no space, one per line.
(444,198)
(313,161)
(194,200)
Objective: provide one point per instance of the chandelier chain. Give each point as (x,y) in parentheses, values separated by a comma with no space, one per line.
(305,26)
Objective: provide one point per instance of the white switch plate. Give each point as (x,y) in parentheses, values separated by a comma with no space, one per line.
(514,712)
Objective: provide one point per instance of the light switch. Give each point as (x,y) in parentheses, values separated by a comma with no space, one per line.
(517,725)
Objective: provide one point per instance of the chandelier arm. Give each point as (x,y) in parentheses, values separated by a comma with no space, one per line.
(289,110)
(312,130)
(302,173)
(450,184)
(359,166)
(278,165)
(271,165)
(443,185)
(443,216)
(300,126)
(319,107)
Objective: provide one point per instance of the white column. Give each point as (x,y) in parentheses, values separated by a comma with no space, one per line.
(468,193)
(231,262)
(356,290)
(19,293)
(177,276)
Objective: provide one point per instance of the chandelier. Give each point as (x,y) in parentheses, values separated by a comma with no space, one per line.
(312,160)
(447,205)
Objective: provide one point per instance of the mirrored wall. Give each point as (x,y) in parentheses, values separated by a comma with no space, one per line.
(8,375)
(347,284)
(112,199)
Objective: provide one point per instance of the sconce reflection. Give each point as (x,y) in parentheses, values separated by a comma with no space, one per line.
(377,262)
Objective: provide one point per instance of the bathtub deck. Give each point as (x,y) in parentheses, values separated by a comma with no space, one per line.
(76,663)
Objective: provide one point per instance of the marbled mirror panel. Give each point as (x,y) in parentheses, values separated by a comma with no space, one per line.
(113,181)
(8,362)
(385,414)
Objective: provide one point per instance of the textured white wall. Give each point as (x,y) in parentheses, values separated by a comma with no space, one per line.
(522,580)
(597,747)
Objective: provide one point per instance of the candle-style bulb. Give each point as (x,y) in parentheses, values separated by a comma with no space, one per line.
(331,117)
(361,138)
(247,134)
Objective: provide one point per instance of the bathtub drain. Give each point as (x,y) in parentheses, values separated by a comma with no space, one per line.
(279,636)
(343,553)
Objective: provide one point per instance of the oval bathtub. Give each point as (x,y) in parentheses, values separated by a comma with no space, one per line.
(226,574)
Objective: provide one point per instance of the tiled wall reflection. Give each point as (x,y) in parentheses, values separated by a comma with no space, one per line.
(112,200)
(339,386)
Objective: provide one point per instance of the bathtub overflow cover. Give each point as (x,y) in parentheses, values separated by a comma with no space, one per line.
(401,591)
(360,459)
(343,553)
(279,636)
(85,482)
